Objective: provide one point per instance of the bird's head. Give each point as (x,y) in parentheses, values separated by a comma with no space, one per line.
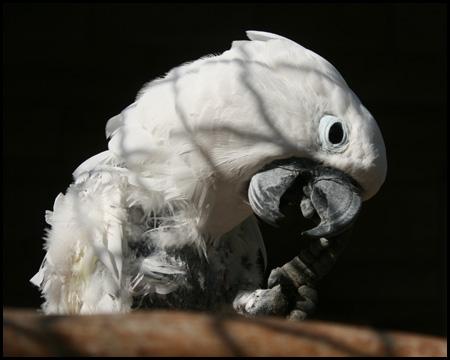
(333,154)
(267,120)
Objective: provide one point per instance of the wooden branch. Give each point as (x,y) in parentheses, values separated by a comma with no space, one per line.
(174,333)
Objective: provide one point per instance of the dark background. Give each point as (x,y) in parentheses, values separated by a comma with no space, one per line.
(68,68)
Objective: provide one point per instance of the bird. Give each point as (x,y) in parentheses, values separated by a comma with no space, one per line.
(168,216)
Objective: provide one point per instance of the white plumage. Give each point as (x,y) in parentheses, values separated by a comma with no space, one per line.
(162,218)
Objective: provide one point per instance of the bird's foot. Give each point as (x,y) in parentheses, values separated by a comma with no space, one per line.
(281,299)
(301,292)
(261,302)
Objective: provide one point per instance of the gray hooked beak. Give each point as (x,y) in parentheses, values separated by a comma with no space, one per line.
(320,190)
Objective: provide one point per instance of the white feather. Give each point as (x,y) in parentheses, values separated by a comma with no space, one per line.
(177,170)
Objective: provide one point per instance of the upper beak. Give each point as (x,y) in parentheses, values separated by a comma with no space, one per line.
(321,191)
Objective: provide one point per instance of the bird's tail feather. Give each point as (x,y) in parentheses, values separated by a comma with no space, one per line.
(82,271)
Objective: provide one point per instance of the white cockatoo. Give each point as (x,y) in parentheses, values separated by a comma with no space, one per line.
(165,217)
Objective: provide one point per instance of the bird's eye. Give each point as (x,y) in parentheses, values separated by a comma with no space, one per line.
(333,134)
(336,133)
